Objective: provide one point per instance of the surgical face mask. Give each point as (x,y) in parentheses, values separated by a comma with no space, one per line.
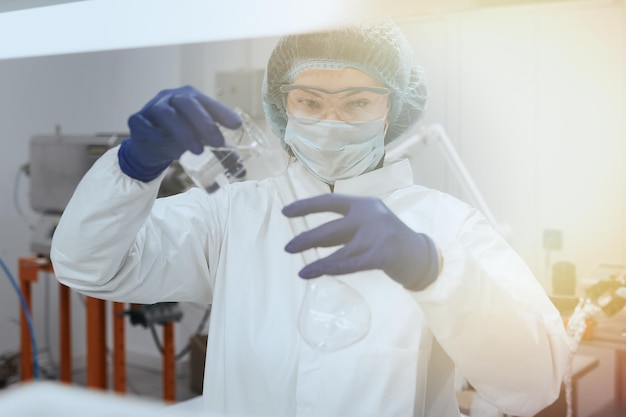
(334,150)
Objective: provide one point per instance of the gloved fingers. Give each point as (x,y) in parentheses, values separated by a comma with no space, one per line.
(337,203)
(176,126)
(200,121)
(162,95)
(142,127)
(333,233)
(220,113)
(345,260)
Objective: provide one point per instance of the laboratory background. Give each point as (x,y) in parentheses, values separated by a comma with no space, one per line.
(525,120)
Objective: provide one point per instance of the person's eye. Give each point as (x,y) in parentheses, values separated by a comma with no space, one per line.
(361,103)
(357,104)
(309,103)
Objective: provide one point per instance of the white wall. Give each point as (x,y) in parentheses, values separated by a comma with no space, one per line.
(534,99)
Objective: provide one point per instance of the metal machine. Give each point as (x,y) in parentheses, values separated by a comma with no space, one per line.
(57,164)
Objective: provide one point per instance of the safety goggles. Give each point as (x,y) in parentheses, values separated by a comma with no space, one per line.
(352,104)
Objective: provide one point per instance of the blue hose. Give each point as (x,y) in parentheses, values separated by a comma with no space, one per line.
(28,318)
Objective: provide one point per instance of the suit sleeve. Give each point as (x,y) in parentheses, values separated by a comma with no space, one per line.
(116,241)
(495,321)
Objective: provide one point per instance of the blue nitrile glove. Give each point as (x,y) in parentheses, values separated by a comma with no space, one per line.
(174,121)
(373,238)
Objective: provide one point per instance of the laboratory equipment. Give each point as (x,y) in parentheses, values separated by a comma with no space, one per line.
(247,153)
(150,314)
(332,314)
(57,164)
(603,296)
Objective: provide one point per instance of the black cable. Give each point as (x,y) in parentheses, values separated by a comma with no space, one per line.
(29,320)
(187,347)
(16,185)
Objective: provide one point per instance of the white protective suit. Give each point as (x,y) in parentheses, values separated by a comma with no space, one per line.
(485,314)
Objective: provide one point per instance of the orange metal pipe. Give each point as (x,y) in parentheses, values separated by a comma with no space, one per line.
(96,343)
(119,350)
(26,350)
(65,335)
(169,365)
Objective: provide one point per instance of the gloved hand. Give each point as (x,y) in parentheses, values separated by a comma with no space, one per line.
(373,238)
(172,122)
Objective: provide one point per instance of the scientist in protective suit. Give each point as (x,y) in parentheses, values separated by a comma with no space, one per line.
(444,289)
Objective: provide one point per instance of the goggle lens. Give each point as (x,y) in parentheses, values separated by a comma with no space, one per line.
(354,104)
